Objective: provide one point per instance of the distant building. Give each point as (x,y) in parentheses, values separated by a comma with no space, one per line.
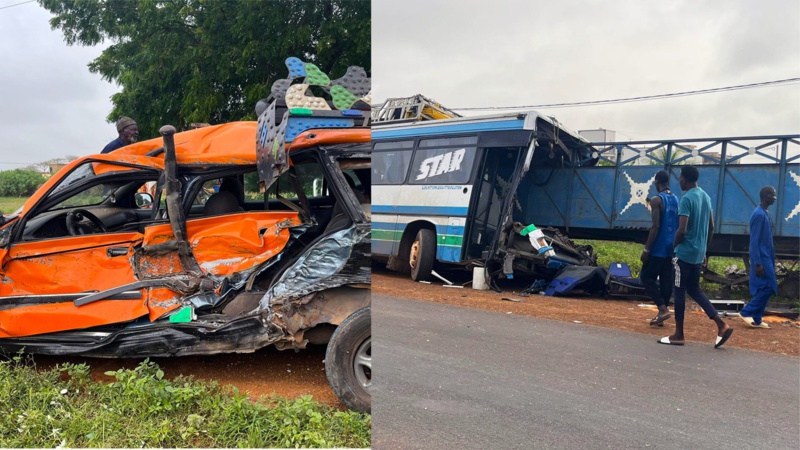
(717,156)
(599,135)
(53,168)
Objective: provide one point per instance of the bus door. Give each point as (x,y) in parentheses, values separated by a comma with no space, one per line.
(498,166)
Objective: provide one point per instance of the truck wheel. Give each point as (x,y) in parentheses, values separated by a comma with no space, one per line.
(422,255)
(348,361)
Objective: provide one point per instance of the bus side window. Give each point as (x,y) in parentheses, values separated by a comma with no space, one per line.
(390,161)
(390,167)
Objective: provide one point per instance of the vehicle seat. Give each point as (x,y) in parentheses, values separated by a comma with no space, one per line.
(232,185)
(339,219)
(359,195)
(223,202)
(363,199)
(339,216)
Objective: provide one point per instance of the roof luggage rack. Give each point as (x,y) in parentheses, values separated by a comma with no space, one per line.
(411,109)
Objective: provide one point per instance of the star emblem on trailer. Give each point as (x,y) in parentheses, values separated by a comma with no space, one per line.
(796,209)
(638,192)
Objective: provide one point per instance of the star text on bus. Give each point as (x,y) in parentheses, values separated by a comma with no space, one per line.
(440,164)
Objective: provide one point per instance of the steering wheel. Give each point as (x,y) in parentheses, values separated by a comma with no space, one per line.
(76,228)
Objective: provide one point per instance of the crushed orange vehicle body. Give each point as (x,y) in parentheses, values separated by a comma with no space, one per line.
(221,239)
(55,253)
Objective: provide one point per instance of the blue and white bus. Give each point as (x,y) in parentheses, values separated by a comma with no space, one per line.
(443,190)
(460,190)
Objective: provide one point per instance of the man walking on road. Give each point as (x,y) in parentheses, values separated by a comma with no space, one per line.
(695,228)
(763,282)
(657,254)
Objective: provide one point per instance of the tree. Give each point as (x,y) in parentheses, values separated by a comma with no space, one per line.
(662,155)
(185,61)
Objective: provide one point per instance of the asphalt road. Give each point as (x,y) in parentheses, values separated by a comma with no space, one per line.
(450,377)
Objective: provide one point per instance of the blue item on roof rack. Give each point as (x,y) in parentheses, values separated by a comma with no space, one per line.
(294,109)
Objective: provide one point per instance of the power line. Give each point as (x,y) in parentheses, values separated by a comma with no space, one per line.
(641,98)
(16,4)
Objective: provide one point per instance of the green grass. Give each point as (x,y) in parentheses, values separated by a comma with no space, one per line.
(10,204)
(63,407)
(629,252)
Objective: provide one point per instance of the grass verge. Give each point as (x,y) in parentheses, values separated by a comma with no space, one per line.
(10,204)
(629,252)
(63,407)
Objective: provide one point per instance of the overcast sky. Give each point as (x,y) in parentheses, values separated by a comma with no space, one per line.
(51,105)
(475,53)
(471,53)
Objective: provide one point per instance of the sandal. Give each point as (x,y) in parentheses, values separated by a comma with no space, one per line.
(659,319)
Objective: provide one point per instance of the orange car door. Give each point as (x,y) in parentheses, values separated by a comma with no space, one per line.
(42,277)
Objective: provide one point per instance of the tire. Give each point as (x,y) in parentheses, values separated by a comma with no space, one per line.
(348,361)
(422,255)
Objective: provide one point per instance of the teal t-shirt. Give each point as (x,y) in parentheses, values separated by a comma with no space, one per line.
(696,205)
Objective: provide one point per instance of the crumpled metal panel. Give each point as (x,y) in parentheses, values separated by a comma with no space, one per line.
(224,247)
(331,306)
(322,267)
(161,301)
(242,335)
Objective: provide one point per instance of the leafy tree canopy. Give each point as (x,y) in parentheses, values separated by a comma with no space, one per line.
(185,61)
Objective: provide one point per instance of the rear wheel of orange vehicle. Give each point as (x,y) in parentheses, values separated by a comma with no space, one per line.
(348,361)
(422,254)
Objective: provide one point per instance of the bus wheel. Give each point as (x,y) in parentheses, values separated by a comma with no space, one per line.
(422,254)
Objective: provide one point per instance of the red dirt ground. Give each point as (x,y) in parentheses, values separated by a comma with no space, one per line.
(287,374)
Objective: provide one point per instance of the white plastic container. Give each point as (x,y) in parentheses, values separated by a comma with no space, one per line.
(537,240)
(479,278)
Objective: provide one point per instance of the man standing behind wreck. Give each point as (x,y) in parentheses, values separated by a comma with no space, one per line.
(657,253)
(695,228)
(128,134)
(763,282)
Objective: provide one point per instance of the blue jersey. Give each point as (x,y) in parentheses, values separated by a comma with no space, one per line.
(668,225)
(696,205)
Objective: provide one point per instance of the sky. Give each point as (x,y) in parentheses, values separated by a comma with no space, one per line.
(475,53)
(52,105)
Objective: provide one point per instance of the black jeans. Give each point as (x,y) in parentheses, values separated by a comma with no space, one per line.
(687,279)
(657,279)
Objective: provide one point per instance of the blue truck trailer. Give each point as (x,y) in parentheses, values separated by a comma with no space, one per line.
(608,201)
